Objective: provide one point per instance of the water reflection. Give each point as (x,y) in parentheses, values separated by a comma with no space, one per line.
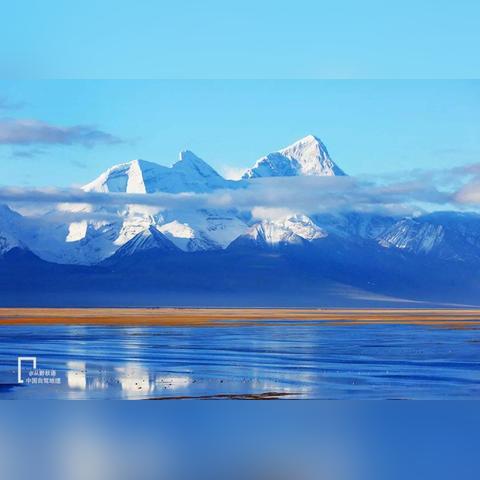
(134,380)
(76,375)
(371,361)
(172,382)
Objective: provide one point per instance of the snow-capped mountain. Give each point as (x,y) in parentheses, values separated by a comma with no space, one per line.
(189,174)
(91,241)
(292,230)
(306,157)
(102,230)
(143,252)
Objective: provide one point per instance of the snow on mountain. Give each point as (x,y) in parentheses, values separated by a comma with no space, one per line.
(190,231)
(88,242)
(306,157)
(354,225)
(412,235)
(292,230)
(99,241)
(103,230)
(186,238)
(137,176)
(91,241)
(189,174)
(195,175)
(13,229)
(302,226)
(148,239)
(203,229)
(447,235)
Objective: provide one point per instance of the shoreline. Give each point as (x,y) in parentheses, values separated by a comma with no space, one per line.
(191,317)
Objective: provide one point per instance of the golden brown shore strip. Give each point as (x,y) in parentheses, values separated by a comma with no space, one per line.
(456,318)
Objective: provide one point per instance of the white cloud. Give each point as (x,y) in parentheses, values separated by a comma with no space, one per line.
(232,173)
(36,132)
(277,197)
(269,213)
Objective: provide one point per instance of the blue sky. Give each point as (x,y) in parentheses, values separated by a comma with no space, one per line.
(368,126)
(247,39)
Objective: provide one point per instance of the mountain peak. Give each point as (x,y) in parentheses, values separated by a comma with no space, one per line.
(130,177)
(188,156)
(149,239)
(189,174)
(306,157)
(309,139)
(290,230)
(191,164)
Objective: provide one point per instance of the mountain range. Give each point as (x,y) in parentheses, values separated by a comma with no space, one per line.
(140,255)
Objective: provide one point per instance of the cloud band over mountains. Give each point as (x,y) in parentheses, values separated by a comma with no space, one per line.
(457,188)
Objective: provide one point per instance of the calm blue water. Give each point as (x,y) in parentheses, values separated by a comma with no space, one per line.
(301,361)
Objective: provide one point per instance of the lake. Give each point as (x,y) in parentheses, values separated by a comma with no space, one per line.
(283,359)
